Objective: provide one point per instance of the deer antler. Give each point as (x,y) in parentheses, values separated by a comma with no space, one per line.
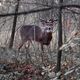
(44,21)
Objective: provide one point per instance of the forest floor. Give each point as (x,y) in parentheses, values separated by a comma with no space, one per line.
(16,65)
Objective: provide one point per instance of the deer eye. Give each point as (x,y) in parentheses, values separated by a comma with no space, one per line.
(49,28)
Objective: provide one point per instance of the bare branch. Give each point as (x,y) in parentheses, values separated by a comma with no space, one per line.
(41,10)
(26,12)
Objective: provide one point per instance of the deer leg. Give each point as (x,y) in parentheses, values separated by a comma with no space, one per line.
(42,47)
(28,44)
(28,56)
(42,53)
(49,51)
(20,46)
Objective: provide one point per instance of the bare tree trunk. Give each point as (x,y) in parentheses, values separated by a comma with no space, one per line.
(14,26)
(59,39)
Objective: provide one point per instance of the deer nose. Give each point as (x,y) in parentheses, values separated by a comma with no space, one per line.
(49,28)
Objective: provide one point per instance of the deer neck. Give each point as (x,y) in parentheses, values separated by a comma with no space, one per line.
(46,38)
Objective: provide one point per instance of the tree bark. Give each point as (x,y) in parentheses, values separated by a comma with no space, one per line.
(59,38)
(14,26)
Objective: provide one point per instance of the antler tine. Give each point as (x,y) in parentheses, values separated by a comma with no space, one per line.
(42,20)
(52,20)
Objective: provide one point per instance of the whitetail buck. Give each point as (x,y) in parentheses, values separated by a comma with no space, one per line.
(41,34)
